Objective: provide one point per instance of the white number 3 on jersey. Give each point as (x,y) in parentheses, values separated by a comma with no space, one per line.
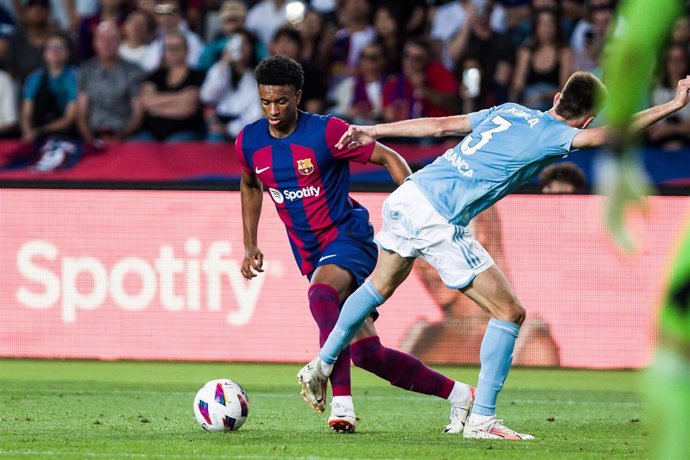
(485,136)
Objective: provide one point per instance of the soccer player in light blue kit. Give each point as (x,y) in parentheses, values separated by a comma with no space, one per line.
(427,216)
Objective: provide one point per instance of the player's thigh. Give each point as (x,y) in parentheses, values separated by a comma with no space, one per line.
(345,264)
(391,270)
(453,252)
(337,277)
(491,291)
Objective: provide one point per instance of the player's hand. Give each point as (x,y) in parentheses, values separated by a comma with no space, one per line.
(253,262)
(682,89)
(356,136)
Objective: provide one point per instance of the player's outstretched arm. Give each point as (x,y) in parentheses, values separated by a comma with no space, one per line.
(251,196)
(647,118)
(596,137)
(392,161)
(419,127)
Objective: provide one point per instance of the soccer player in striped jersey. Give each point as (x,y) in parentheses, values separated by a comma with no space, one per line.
(293,154)
(427,217)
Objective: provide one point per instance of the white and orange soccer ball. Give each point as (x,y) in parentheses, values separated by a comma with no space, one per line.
(221,405)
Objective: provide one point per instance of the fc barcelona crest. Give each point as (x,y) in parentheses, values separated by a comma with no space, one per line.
(305,167)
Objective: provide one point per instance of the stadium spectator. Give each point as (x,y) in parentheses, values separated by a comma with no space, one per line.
(313,29)
(390,35)
(412,15)
(423,88)
(265,17)
(515,13)
(681,31)
(543,63)
(75,10)
(562,177)
(108,11)
(7,30)
(674,131)
(476,46)
(359,98)
(8,107)
(50,93)
(193,14)
(25,48)
(355,32)
(585,24)
(170,98)
(230,89)
(107,106)
(566,22)
(136,46)
(232,15)
(145,5)
(170,20)
(288,42)
(451,17)
(324,7)
(588,37)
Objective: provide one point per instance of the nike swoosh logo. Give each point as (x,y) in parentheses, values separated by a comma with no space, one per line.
(327,257)
(259,171)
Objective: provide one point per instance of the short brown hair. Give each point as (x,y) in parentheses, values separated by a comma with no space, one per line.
(582,95)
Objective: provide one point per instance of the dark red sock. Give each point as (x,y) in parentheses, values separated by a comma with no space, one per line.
(324,304)
(400,369)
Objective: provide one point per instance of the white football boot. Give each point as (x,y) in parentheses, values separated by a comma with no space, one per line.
(314,384)
(493,428)
(342,419)
(459,414)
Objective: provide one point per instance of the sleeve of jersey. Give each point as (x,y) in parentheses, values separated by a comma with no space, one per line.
(558,140)
(240,154)
(334,131)
(479,116)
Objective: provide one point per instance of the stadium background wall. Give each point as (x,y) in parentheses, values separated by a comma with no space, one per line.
(154,274)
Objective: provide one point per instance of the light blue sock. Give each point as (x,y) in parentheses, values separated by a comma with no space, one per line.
(495,356)
(357,307)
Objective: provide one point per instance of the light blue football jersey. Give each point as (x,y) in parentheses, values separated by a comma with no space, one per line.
(508,145)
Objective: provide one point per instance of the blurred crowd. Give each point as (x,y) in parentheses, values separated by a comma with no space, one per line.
(182,70)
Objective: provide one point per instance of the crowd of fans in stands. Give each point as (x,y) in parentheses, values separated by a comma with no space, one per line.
(182,70)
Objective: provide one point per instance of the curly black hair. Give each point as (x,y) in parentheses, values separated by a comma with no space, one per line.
(278,71)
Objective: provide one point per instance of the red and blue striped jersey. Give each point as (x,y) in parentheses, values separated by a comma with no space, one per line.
(308,180)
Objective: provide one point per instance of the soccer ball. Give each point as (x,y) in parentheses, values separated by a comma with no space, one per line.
(221,405)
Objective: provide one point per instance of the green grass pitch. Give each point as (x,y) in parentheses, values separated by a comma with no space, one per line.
(139,410)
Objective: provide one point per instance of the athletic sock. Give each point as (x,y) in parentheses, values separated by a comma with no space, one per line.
(345,401)
(357,307)
(400,369)
(476,419)
(460,394)
(324,303)
(495,356)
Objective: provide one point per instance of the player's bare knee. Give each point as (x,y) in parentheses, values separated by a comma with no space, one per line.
(384,287)
(513,312)
(518,313)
